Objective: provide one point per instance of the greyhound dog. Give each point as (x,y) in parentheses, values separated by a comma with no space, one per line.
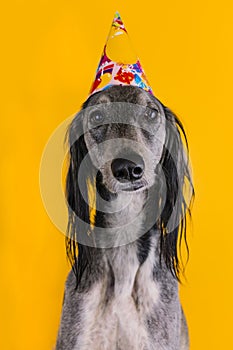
(129,193)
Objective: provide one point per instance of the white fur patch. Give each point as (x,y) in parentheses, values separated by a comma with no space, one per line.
(121,323)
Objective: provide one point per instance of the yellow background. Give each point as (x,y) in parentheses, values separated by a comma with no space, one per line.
(49,54)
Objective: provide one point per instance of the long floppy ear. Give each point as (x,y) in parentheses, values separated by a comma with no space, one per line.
(77,195)
(179,191)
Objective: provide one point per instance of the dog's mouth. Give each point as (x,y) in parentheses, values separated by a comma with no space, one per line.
(133,187)
(130,186)
(115,186)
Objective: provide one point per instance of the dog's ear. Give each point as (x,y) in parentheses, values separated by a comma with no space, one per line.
(179,194)
(79,185)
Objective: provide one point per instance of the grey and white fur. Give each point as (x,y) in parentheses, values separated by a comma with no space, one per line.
(122,292)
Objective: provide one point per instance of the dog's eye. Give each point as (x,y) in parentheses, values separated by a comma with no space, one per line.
(151,114)
(97,117)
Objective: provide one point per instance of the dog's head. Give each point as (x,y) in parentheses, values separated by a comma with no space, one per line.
(124,141)
(124,131)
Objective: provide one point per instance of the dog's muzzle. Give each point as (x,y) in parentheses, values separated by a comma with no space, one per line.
(129,169)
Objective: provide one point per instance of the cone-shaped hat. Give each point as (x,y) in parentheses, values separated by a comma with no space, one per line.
(119,64)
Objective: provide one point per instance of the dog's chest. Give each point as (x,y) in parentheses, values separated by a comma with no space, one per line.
(115,316)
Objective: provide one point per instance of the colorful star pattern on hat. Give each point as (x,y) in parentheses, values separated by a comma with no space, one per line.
(119,65)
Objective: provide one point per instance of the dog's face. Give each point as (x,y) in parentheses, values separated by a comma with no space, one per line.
(124,130)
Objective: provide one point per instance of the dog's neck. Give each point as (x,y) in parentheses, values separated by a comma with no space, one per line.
(122,216)
(130,245)
(125,208)
(126,216)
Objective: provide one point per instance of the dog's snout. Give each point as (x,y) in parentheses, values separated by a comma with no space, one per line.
(127,169)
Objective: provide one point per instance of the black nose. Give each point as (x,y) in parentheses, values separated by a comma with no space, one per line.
(125,169)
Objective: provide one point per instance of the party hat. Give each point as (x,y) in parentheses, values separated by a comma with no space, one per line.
(119,65)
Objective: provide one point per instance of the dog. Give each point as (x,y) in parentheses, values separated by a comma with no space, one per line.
(131,153)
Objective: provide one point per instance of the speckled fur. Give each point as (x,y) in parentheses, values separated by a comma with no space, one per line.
(124,302)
